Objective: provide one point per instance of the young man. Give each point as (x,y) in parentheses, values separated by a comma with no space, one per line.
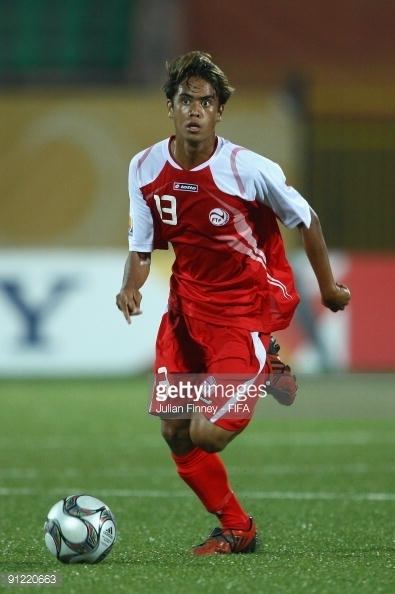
(231,285)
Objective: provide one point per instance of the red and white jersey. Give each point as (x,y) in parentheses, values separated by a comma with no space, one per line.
(221,218)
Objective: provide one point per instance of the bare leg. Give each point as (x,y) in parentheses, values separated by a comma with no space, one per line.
(182,435)
(208,436)
(176,434)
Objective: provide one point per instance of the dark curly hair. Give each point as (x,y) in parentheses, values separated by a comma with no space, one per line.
(199,64)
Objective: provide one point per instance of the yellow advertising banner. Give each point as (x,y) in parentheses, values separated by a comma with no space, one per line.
(64,158)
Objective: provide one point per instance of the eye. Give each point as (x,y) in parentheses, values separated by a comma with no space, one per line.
(206,102)
(185,100)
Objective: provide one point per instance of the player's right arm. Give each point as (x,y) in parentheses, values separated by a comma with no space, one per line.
(141,235)
(137,267)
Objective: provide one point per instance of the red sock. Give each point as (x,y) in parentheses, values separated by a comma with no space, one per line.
(205,474)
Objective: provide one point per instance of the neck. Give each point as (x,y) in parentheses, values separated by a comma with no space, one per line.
(190,155)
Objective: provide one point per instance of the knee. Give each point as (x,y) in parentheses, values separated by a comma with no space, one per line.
(176,435)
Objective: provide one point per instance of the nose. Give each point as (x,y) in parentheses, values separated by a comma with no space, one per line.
(195,109)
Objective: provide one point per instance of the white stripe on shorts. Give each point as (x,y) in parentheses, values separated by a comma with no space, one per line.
(260,354)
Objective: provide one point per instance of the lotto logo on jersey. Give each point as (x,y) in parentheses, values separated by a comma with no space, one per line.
(218,217)
(185,187)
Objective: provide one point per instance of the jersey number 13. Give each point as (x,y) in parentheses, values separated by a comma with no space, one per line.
(166,206)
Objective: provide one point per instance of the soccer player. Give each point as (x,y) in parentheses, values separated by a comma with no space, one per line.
(231,286)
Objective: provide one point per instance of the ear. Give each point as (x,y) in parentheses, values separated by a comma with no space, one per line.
(170,109)
(220,112)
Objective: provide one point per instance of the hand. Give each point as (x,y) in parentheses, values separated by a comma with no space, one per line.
(337,298)
(128,302)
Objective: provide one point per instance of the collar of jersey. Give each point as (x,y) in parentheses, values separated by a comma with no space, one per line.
(173,163)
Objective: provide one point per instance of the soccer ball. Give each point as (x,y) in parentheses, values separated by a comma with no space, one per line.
(80,529)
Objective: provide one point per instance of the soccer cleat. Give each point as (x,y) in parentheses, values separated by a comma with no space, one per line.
(281,382)
(225,541)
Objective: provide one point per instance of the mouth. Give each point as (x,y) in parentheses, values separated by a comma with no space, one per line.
(193,127)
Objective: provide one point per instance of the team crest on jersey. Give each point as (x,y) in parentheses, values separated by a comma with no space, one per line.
(218,217)
(185,187)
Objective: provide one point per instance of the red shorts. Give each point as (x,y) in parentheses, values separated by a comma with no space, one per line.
(187,345)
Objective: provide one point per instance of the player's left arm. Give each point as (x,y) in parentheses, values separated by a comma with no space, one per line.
(294,211)
(334,295)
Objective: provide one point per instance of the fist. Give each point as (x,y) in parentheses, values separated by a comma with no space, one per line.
(337,298)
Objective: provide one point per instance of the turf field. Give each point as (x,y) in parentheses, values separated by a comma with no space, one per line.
(318,477)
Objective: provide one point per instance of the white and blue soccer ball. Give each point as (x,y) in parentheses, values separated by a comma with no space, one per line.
(80,529)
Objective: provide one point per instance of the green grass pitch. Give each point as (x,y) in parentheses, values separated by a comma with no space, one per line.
(318,477)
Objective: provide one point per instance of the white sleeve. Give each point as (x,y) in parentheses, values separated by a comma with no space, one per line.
(286,202)
(141,232)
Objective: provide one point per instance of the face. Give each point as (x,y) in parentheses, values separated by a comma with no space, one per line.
(195,110)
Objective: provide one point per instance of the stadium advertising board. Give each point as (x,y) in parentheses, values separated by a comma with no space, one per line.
(58,315)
